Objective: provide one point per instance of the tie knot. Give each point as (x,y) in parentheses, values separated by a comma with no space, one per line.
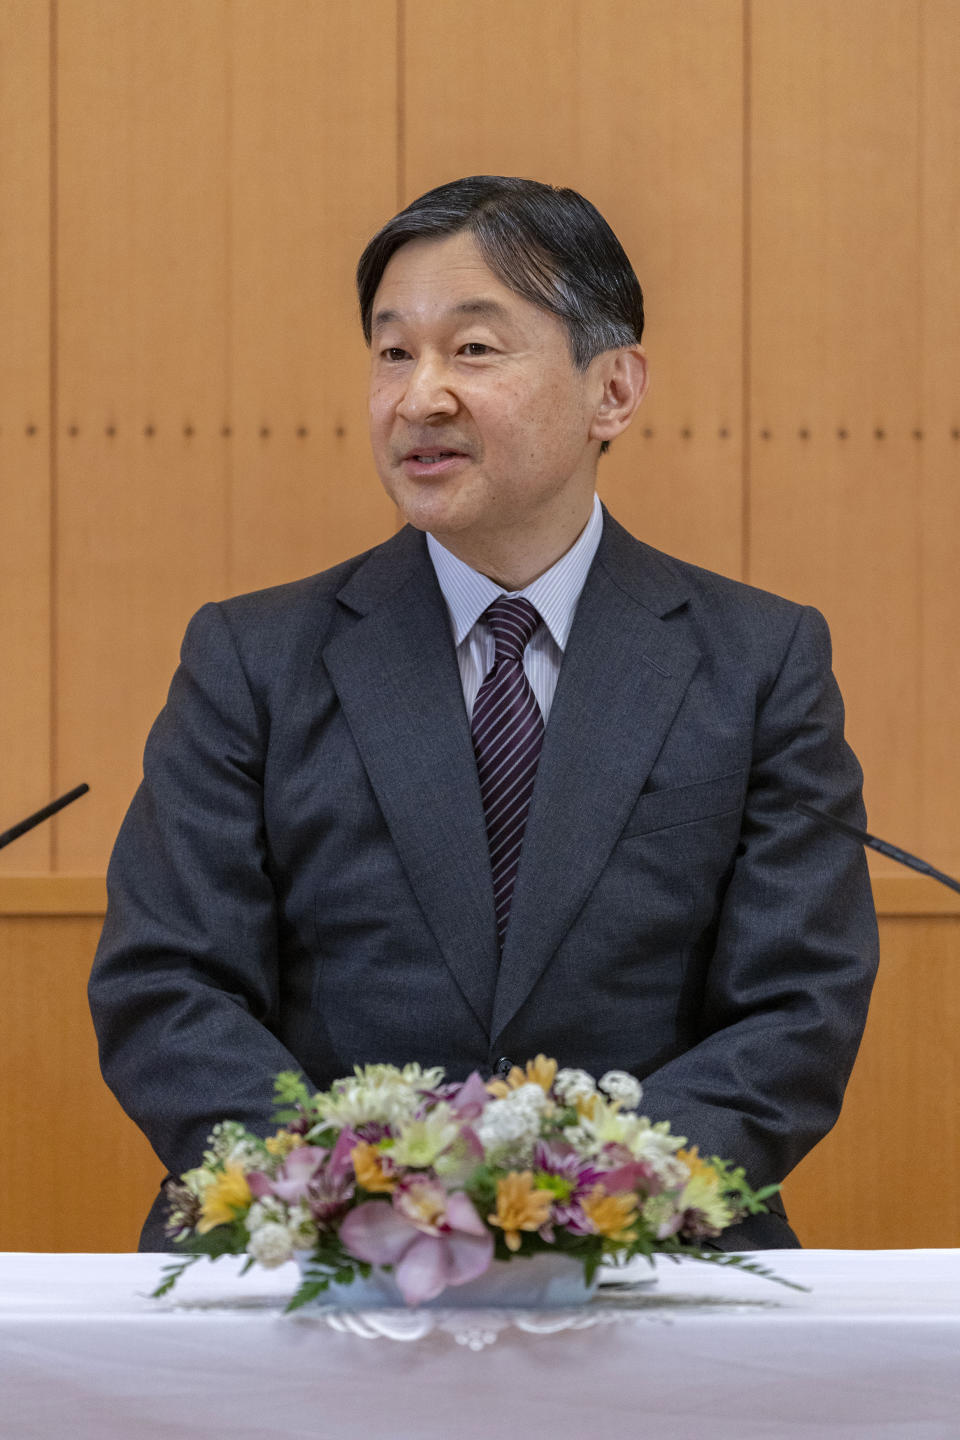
(512,620)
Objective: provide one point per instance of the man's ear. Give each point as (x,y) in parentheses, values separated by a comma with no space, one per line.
(623,378)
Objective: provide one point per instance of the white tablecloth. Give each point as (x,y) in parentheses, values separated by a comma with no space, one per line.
(873,1352)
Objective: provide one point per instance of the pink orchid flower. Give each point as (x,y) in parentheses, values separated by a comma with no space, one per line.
(471,1099)
(431,1238)
(293,1177)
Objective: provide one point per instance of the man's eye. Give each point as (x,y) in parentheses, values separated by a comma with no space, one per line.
(394,352)
(474,347)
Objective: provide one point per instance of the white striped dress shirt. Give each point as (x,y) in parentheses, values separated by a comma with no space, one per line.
(554,594)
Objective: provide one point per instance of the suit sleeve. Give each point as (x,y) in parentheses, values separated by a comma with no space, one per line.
(787,990)
(185,978)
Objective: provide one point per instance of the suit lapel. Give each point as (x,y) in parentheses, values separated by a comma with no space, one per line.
(623,676)
(394,668)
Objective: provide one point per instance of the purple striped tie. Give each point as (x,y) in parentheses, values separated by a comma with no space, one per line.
(507,737)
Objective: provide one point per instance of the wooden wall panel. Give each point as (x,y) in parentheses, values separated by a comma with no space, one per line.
(624,102)
(87,1174)
(142,279)
(313,175)
(939,559)
(25,777)
(835,471)
(887,1175)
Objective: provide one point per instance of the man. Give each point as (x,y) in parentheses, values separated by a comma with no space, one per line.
(381,820)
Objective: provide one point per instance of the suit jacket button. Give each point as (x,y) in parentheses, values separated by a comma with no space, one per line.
(503,1066)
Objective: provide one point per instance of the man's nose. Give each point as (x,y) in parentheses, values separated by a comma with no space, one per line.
(428,392)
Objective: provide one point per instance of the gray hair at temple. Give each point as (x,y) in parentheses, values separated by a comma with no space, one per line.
(547,244)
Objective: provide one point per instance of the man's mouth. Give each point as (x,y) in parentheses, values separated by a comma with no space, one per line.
(432,456)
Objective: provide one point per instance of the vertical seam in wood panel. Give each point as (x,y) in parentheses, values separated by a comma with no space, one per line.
(401,103)
(746,338)
(923,421)
(53,422)
(228,418)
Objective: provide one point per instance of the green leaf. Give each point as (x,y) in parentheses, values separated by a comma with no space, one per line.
(172,1274)
(738,1262)
(290,1095)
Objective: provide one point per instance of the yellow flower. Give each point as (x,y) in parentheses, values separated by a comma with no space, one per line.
(540,1072)
(702,1191)
(227,1196)
(369,1170)
(611,1215)
(520,1206)
(282,1143)
(696,1164)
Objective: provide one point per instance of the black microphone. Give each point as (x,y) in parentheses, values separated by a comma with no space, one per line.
(17,830)
(883,846)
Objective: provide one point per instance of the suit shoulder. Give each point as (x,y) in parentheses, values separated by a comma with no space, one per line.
(729,617)
(269,630)
(284,603)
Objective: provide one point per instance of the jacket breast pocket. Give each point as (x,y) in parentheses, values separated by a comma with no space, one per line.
(686,804)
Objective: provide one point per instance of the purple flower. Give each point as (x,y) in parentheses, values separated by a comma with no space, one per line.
(293,1177)
(431,1238)
(560,1159)
(318,1177)
(469,1099)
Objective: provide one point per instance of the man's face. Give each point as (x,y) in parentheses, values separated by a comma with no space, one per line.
(480,422)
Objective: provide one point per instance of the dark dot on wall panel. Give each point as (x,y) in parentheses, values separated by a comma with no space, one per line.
(918,434)
(302,431)
(723,432)
(111,431)
(804,434)
(340,431)
(686,433)
(765,435)
(841,434)
(73,429)
(955,433)
(149,431)
(188,431)
(880,434)
(648,433)
(265,432)
(31,429)
(226,431)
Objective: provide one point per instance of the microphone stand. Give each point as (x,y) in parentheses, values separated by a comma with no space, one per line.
(16,831)
(893,852)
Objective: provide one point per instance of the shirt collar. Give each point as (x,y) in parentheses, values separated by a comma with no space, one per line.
(554,594)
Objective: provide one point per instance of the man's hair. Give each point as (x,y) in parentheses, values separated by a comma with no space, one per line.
(549,245)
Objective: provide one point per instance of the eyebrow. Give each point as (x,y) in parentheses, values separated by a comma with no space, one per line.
(479,305)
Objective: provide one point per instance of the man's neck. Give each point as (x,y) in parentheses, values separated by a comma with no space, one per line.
(513,561)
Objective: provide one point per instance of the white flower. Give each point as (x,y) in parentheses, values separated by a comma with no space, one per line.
(302,1227)
(623,1087)
(420,1142)
(230,1143)
(378,1094)
(268,1211)
(574,1085)
(509,1127)
(530,1097)
(657,1146)
(271,1245)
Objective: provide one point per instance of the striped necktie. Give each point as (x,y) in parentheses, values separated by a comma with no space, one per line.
(507,738)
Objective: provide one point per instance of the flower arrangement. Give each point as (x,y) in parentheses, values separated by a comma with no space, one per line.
(398,1168)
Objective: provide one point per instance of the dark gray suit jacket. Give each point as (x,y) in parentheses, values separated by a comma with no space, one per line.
(302,879)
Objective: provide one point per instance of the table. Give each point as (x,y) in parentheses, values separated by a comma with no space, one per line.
(871,1353)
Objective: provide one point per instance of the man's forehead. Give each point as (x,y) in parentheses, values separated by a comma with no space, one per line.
(483,306)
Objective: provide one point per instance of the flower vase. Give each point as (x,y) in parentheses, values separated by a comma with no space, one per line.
(531,1282)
